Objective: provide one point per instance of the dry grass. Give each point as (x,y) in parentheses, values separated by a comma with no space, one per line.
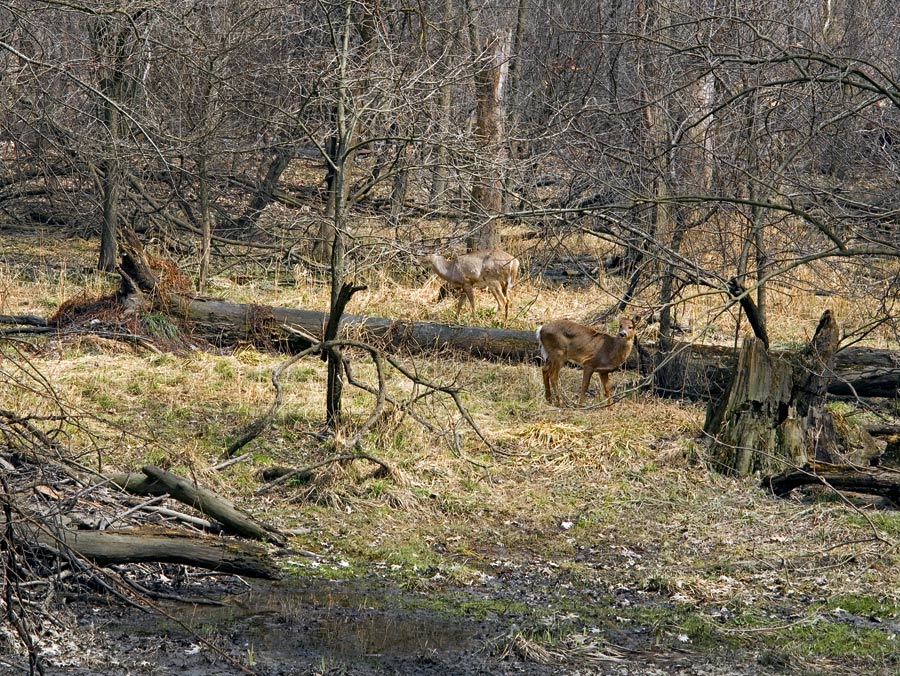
(619,498)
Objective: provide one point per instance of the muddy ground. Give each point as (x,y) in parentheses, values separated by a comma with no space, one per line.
(369,626)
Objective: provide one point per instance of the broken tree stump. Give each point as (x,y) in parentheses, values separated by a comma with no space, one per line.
(773,416)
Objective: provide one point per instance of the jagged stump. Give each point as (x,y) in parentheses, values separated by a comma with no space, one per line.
(772,416)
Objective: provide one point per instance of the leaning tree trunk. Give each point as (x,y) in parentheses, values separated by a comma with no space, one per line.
(773,416)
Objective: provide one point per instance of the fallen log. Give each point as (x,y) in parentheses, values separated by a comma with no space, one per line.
(884,484)
(705,369)
(883,430)
(155,545)
(239,321)
(155,481)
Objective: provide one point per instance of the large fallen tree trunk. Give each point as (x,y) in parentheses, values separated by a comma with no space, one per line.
(151,544)
(238,321)
(706,370)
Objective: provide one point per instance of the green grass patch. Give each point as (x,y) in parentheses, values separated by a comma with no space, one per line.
(887,522)
(866,606)
(839,640)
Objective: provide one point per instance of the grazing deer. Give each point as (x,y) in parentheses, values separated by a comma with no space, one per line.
(562,340)
(494,270)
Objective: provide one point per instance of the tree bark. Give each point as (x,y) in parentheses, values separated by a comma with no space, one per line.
(150,544)
(773,415)
(155,481)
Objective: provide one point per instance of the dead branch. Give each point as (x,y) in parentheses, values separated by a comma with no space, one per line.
(23,320)
(304,471)
(156,481)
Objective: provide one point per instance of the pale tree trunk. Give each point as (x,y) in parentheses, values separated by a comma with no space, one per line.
(515,148)
(490,140)
(701,165)
(205,219)
(203,189)
(440,169)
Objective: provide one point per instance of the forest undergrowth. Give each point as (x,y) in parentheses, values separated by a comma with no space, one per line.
(595,531)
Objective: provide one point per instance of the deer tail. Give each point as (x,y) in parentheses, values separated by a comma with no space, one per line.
(538,334)
(512,271)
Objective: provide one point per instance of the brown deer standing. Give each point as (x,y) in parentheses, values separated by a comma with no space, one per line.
(562,340)
(494,270)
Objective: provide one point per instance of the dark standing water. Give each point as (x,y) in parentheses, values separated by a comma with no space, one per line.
(312,627)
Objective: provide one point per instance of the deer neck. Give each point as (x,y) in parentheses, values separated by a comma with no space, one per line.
(620,349)
(443,268)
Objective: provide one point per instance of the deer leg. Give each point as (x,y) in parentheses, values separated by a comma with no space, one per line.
(460,300)
(604,378)
(585,382)
(470,294)
(500,298)
(550,371)
(555,382)
(545,372)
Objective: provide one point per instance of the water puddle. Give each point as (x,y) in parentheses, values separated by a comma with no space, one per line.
(308,620)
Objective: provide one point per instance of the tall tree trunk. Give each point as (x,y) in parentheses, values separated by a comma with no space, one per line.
(109,226)
(336,196)
(491,151)
(112,86)
(515,148)
(440,170)
(266,188)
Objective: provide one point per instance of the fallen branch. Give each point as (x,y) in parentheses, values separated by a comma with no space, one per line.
(155,481)
(284,474)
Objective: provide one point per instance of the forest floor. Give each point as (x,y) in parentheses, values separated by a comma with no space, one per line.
(580,541)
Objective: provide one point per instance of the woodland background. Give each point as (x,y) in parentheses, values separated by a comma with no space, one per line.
(674,159)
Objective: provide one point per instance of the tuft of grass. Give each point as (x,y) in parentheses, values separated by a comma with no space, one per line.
(160,325)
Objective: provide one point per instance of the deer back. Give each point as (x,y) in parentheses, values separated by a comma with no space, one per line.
(482,268)
(585,345)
